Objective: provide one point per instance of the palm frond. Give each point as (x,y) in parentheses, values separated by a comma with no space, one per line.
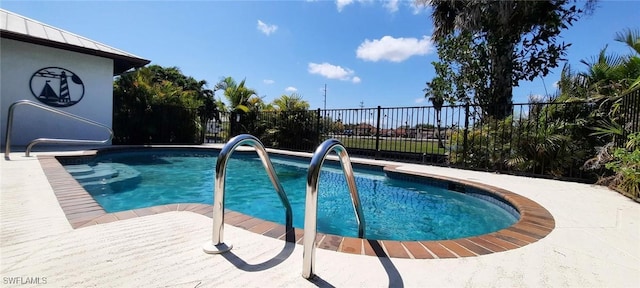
(607,128)
(630,37)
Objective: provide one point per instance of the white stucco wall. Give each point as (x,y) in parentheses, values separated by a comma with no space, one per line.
(20,60)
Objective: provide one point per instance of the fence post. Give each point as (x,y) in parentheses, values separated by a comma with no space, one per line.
(378,133)
(232,124)
(466,132)
(630,116)
(319,136)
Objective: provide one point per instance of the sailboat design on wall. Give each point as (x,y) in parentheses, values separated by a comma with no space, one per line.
(47,80)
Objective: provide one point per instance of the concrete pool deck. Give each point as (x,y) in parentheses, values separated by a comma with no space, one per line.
(595,243)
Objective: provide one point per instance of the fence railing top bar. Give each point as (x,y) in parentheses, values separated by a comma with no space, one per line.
(455,106)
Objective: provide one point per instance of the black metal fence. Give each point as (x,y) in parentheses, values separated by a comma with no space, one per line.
(630,115)
(539,139)
(157,124)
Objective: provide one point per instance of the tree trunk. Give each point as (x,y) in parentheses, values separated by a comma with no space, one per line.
(499,101)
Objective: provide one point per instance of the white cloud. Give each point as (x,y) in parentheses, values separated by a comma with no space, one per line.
(556,84)
(391,5)
(356,79)
(420,100)
(266,28)
(394,49)
(291,89)
(332,72)
(536,98)
(342,3)
(419,8)
(268,81)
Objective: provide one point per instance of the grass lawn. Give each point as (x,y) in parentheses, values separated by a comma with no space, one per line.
(391,144)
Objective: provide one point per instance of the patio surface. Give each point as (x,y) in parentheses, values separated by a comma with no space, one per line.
(595,243)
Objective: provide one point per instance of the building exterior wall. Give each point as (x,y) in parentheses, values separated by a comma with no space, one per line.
(18,63)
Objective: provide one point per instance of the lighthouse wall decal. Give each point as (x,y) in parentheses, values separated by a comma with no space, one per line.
(52,87)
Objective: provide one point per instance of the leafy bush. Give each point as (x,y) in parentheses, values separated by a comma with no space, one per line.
(292,130)
(486,146)
(544,143)
(626,166)
(160,105)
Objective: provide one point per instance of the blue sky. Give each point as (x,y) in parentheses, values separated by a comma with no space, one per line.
(369,52)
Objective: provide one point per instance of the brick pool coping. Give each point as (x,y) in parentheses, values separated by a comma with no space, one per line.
(535,221)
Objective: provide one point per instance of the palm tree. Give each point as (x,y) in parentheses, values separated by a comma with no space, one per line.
(451,15)
(608,76)
(437,100)
(632,39)
(294,126)
(237,94)
(516,40)
(291,102)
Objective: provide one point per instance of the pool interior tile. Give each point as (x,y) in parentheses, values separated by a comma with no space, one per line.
(144,212)
(277,231)
(319,238)
(534,228)
(351,245)
(188,206)
(299,235)
(78,203)
(231,217)
(395,249)
(526,232)
(85,214)
(486,244)
(457,248)
(123,215)
(506,236)
(438,250)
(373,248)
(78,224)
(247,224)
(499,242)
(290,235)
(237,219)
(471,246)
(173,207)
(330,242)
(535,221)
(107,218)
(262,227)
(416,250)
(206,210)
(159,209)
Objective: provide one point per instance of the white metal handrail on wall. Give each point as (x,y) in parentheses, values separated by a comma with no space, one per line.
(13,106)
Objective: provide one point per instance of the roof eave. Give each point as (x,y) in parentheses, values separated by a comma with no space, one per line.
(121,63)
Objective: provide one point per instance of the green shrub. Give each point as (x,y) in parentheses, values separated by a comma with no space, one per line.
(626,166)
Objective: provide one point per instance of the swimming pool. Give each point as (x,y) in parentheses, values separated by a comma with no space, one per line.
(394,209)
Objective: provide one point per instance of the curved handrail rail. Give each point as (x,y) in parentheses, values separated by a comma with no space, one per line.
(311,201)
(217,244)
(7,149)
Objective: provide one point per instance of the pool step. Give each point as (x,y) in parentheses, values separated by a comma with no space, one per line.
(102,173)
(78,170)
(86,173)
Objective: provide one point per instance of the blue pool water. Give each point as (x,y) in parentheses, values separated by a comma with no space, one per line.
(393,209)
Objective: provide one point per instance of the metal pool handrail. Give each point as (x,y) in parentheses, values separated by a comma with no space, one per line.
(311,201)
(217,244)
(7,149)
